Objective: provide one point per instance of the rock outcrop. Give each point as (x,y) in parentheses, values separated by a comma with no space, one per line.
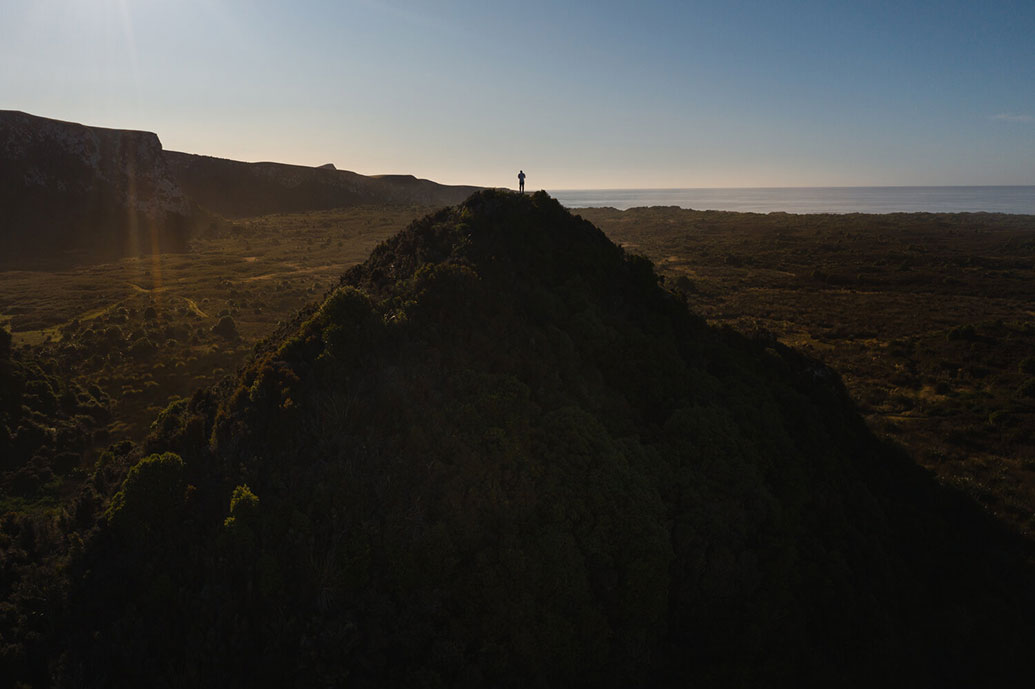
(72,191)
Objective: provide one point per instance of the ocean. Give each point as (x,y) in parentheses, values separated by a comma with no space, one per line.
(1015,199)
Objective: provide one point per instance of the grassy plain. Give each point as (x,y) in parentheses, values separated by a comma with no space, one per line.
(146,331)
(930,319)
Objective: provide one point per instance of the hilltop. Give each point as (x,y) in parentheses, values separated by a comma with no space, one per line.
(501,453)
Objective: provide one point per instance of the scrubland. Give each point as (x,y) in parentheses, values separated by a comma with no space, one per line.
(496,452)
(132,336)
(929,318)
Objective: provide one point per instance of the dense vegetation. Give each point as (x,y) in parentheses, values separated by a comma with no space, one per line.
(114,344)
(45,419)
(501,454)
(47,423)
(927,316)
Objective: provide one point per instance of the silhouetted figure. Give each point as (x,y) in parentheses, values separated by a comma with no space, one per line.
(521,181)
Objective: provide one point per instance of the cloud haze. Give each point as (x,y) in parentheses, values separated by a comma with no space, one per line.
(1012,117)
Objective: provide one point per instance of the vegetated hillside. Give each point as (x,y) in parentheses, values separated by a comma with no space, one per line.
(46,423)
(926,316)
(236,189)
(71,191)
(500,454)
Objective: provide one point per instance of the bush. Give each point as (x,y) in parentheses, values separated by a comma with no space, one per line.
(113,335)
(347,322)
(963,332)
(685,285)
(244,507)
(226,328)
(169,421)
(153,489)
(241,527)
(142,349)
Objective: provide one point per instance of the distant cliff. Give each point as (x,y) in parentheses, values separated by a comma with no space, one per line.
(73,192)
(236,189)
(68,190)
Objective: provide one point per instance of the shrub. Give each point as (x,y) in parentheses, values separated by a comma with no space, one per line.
(1002,418)
(113,335)
(241,527)
(685,285)
(244,507)
(963,332)
(349,323)
(169,421)
(226,328)
(153,489)
(142,349)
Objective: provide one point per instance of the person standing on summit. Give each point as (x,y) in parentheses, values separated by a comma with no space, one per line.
(521,181)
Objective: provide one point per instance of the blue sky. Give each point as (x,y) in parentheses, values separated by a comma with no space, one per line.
(579,94)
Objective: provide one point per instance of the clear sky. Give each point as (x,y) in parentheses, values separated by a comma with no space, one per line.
(580,94)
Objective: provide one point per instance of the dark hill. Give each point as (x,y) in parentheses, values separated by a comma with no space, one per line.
(71,191)
(236,189)
(500,454)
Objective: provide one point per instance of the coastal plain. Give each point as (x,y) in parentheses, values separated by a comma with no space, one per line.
(928,318)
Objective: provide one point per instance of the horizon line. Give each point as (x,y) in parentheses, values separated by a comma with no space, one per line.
(803,186)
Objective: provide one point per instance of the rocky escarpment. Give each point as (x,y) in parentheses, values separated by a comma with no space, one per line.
(236,189)
(69,190)
(73,192)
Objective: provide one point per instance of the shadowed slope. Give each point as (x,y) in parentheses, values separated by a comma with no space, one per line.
(236,189)
(501,455)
